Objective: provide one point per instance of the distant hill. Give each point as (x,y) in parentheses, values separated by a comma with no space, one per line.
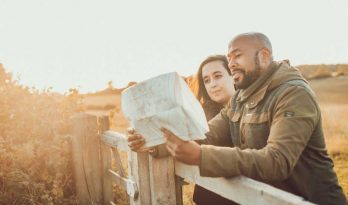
(323,70)
(330,82)
(332,90)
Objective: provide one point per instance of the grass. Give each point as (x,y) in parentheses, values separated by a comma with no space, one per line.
(336,136)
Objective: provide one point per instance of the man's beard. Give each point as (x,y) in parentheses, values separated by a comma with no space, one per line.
(249,78)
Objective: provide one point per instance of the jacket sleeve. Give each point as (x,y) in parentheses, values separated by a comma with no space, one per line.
(218,127)
(295,116)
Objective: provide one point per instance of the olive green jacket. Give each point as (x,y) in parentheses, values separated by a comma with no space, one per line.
(272,132)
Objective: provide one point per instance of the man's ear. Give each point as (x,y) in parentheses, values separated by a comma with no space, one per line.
(264,57)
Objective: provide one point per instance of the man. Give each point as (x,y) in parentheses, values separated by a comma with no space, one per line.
(272,124)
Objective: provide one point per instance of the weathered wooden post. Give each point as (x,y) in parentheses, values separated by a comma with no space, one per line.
(179,183)
(165,186)
(86,159)
(105,153)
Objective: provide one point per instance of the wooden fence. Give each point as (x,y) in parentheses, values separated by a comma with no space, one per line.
(150,181)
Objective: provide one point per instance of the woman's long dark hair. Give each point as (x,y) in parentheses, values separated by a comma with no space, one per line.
(211,108)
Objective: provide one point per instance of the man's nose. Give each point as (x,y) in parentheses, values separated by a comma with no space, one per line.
(232,64)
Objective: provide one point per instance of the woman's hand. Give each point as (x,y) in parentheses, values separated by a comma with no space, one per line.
(135,140)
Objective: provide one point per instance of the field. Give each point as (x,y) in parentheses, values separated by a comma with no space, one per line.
(333,100)
(35,152)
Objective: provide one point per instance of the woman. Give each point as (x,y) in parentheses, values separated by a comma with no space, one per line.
(214,88)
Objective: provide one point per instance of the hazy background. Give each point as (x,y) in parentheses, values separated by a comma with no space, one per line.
(84,44)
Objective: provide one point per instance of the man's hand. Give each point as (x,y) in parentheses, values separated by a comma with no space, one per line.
(188,152)
(135,141)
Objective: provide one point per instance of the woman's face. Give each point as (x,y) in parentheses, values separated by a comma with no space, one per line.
(217,82)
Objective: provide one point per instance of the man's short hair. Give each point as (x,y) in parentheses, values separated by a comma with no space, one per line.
(256,35)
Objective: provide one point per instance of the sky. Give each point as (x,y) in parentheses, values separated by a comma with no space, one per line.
(84,44)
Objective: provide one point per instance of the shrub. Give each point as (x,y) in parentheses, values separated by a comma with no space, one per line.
(35,153)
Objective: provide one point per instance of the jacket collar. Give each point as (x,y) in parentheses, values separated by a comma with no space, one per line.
(276,74)
(259,87)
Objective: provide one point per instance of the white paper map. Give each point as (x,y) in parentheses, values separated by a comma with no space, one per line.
(164,101)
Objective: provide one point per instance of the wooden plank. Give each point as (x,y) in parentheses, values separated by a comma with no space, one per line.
(119,180)
(115,139)
(178,190)
(162,181)
(138,167)
(105,153)
(87,172)
(77,157)
(127,184)
(138,170)
(92,163)
(240,189)
(118,161)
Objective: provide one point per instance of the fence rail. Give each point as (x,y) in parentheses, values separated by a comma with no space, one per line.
(150,181)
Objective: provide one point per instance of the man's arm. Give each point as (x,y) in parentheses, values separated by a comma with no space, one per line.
(189,152)
(288,137)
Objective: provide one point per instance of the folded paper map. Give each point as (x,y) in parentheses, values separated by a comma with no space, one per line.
(164,101)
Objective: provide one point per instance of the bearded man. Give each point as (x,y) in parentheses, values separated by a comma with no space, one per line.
(272,125)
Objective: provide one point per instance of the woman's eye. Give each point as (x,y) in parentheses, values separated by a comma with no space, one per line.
(206,81)
(217,76)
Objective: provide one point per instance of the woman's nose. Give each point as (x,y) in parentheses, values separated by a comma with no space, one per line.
(213,83)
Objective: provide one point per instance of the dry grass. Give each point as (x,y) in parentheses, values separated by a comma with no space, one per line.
(187,194)
(333,98)
(331,91)
(336,135)
(35,153)
(101,100)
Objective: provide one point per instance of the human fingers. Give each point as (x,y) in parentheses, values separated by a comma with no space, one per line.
(166,131)
(134,137)
(170,136)
(170,149)
(136,144)
(175,150)
(130,130)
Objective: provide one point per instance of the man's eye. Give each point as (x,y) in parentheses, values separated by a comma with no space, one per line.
(206,81)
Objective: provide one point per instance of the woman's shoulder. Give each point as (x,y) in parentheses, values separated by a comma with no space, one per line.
(211,109)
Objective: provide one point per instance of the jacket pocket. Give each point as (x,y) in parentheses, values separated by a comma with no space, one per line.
(255,129)
(235,129)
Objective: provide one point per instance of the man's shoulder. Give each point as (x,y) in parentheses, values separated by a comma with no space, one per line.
(300,84)
(295,93)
